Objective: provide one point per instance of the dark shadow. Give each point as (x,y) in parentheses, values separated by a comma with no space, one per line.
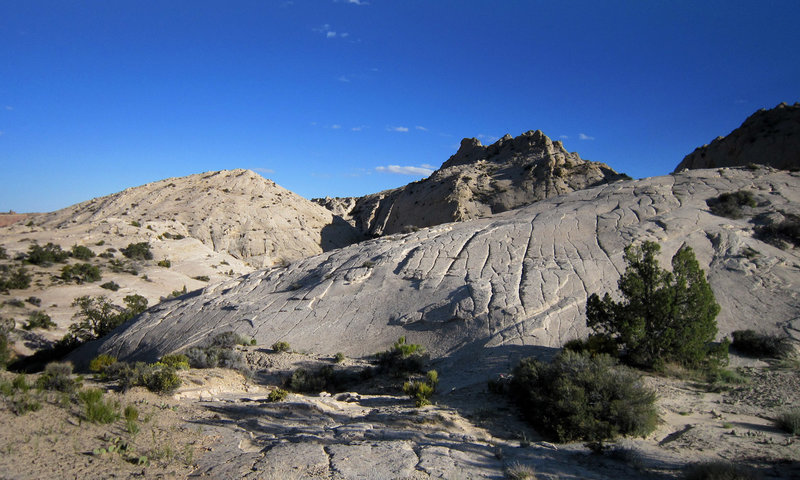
(339,234)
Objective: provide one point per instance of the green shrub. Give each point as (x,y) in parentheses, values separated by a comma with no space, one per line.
(789,421)
(664,316)
(81,253)
(730,204)
(11,279)
(98,317)
(339,357)
(138,251)
(781,234)
(101,362)
(229,340)
(6,353)
(98,410)
(164,263)
(421,391)
(277,395)
(58,376)
(113,286)
(718,470)
(177,361)
(39,319)
(22,404)
(593,344)
(162,380)
(80,272)
(324,378)
(750,342)
(35,301)
(20,383)
(131,415)
(202,278)
(402,359)
(157,378)
(583,397)
(215,357)
(279,347)
(178,293)
(45,256)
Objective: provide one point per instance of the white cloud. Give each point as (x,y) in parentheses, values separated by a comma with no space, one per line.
(9,108)
(353,2)
(397,129)
(358,128)
(262,170)
(564,137)
(488,138)
(423,170)
(343,78)
(330,33)
(421,128)
(583,136)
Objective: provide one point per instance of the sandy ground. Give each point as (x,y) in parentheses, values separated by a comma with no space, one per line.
(220,424)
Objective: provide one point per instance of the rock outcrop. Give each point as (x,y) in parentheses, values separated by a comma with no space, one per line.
(233,211)
(767,137)
(479,292)
(476,182)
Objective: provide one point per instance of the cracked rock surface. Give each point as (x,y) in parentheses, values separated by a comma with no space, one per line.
(480,294)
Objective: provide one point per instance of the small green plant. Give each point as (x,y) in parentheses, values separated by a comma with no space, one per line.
(20,383)
(80,273)
(403,358)
(131,415)
(339,357)
(280,347)
(519,471)
(101,362)
(39,319)
(789,421)
(421,391)
(277,395)
(178,293)
(113,286)
(35,301)
(202,278)
(96,408)
(727,425)
(166,263)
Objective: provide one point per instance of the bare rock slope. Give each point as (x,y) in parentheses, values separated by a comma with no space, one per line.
(476,182)
(477,293)
(233,211)
(767,137)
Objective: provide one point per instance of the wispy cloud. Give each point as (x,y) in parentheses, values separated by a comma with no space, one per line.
(9,108)
(336,126)
(418,127)
(422,170)
(488,138)
(262,170)
(343,78)
(397,129)
(358,128)
(564,137)
(583,136)
(353,2)
(330,33)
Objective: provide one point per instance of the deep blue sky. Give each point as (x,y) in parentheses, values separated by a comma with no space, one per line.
(324,96)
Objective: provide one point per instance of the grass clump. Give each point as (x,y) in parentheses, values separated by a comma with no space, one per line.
(402,359)
(166,263)
(113,286)
(718,470)
(339,357)
(81,253)
(789,421)
(39,319)
(730,204)
(421,390)
(177,361)
(96,408)
(755,344)
(280,347)
(583,397)
(277,395)
(131,415)
(138,251)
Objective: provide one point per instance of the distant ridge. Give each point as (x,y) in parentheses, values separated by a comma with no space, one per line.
(476,182)
(767,137)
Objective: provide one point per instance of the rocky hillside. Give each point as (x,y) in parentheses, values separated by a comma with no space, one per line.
(476,182)
(233,211)
(767,137)
(475,292)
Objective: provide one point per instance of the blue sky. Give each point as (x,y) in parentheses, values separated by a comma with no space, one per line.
(344,97)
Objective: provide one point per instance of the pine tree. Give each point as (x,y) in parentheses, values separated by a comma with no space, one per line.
(664,316)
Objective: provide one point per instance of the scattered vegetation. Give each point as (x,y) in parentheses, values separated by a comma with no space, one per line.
(750,342)
(138,251)
(202,278)
(80,273)
(519,471)
(101,362)
(177,361)
(339,357)
(39,319)
(219,352)
(178,293)
(157,378)
(6,354)
(583,397)
(664,316)
(166,263)
(57,376)
(783,233)
(730,204)
(35,301)
(98,317)
(280,347)
(402,359)
(131,414)
(789,421)
(14,279)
